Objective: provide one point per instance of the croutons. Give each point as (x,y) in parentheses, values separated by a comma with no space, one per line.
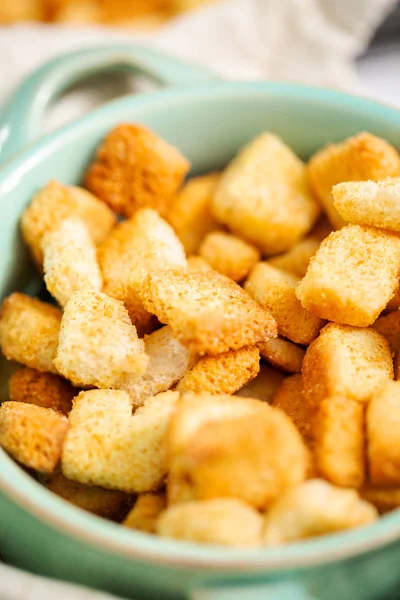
(224,522)
(56,202)
(145,513)
(222,374)
(134,168)
(98,345)
(353,276)
(43,389)
(110,504)
(108,446)
(196,264)
(69,262)
(32,435)
(359,158)
(275,291)
(190,211)
(282,354)
(29,331)
(264,386)
(263,196)
(315,508)
(168,362)
(134,248)
(383,498)
(389,327)
(383,434)
(206,311)
(229,254)
(290,398)
(348,362)
(297,259)
(338,432)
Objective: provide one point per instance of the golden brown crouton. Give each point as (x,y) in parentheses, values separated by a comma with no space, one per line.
(264,386)
(134,248)
(43,389)
(275,291)
(108,446)
(338,432)
(346,361)
(224,522)
(254,457)
(383,435)
(110,504)
(98,345)
(196,264)
(29,331)
(70,262)
(168,362)
(56,202)
(296,260)
(389,327)
(32,435)
(190,211)
(315,508)
(394,302)
(222,374)
(145,513)
(207,311)
(229,255)
(282,354)
(290,398)
(353,276)
(384,499)
(361,157)
(374,203)
(135,168)
(263,196)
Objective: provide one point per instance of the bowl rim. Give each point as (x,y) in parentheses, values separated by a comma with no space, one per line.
(19,487)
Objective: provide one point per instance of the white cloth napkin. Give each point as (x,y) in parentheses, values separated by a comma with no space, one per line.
(313,41)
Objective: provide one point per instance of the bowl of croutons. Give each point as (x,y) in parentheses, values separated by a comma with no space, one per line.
(200,330)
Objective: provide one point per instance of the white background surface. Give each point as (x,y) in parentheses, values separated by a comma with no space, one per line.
(380,73)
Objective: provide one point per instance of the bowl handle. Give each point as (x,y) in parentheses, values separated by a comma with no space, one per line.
(267,591)
(21,119)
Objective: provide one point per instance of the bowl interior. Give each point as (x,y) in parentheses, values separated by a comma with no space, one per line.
(208,124)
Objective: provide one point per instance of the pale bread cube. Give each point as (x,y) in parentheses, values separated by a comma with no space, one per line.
(297,259)
(29,331)
(229,254)
(353,276)
(98,345)
(290,398)
(263,196)
(108,446)
(275,291)
(359,158)
(264,386)
(145,513)
(43,389)
(282,354)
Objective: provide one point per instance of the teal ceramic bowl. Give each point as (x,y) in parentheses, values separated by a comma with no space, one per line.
(209,121)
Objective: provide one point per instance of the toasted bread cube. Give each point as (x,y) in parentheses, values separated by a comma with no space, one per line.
(108,446)
(222,374)
(190,211)
(263,196)
(168,362)
(32,435)
(98,345)
(135,248)
(394,302)
(207,311)
(383,498)
(383,435)
(359,158)
(315,508)
(196,264)
(70,262)
(374,203)
(275,291)
(29,331)
(321,230)
(145,513)
(297,259)
(282,354)
(290,398)
(338,432)
(346,361)
(110,504)
(389,327)
(135,168)
(353,276)
(222,521)
(229,255)
(264,386)
(43,389)
(56,202)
